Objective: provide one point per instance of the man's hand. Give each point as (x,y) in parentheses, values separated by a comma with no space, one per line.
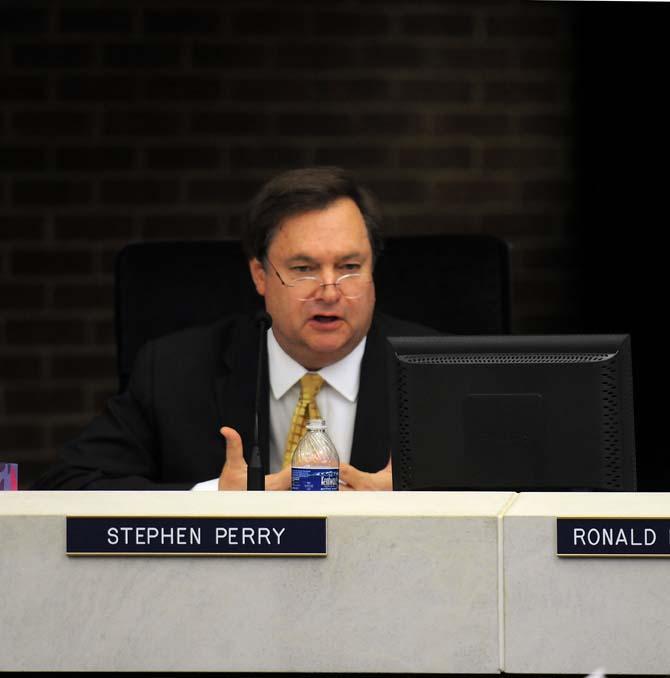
(234,473)
(360,480)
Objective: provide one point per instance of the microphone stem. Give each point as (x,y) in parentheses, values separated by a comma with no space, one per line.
(255,470)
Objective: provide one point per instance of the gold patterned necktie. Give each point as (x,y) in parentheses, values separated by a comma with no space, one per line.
(305,410)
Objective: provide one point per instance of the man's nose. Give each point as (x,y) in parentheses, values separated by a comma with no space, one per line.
(329,291)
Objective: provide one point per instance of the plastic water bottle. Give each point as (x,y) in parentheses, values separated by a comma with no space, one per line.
(315,464)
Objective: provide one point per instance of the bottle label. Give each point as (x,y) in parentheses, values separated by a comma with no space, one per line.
(327,479)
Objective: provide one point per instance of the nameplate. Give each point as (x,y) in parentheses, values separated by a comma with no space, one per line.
(602,537)
(146,536)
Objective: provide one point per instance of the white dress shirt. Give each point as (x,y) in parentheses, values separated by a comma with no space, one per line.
(336,401)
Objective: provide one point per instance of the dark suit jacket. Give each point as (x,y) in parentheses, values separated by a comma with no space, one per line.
(163,431)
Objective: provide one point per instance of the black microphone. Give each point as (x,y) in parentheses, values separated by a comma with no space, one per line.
(255,470)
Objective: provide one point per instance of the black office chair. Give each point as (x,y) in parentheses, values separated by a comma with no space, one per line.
(453,283)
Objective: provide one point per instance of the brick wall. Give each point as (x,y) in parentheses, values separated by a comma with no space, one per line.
(139,120)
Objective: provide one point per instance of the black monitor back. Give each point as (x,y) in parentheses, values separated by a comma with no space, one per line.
(516,413)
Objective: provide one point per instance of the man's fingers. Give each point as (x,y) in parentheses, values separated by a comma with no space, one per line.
(234,451)
(351,475)
(360,480)
(234,473)
(279,481)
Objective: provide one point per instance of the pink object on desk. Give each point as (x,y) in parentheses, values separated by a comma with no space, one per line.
(9,476)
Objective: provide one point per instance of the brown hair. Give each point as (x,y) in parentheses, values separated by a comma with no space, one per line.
(303,190)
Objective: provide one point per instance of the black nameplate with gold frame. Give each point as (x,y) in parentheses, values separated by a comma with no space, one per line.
(612,537)
(161,536)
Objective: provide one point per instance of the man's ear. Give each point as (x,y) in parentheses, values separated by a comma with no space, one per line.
(257,275)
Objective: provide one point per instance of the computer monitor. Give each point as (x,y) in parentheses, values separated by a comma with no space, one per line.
(512,412)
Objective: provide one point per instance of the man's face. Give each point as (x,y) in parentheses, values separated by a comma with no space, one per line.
(326,243)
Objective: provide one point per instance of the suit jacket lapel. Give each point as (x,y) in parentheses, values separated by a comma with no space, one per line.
(370,446)
(235,385)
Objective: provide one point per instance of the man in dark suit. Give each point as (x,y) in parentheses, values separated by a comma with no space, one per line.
(311,238)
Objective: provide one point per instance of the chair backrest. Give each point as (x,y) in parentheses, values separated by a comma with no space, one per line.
(453,283)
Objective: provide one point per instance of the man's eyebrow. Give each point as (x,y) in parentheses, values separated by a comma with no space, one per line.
(305,258)
(300,259)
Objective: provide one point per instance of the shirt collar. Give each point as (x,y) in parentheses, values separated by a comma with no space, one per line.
(344,375)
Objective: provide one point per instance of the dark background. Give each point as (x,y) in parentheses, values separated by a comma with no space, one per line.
(542,123)
(622,151)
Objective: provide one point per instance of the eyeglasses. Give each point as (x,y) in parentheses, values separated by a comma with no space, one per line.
(350,285)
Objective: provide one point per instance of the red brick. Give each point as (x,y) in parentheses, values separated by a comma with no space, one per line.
(434,89)
(186,157)
(108,260)
(347,156)
(552,59)
(23,20)
(94,158)
(97,88)
(141,55)
(433,24)
(432,221)
(391,123)
(89,296)
(542,91)
(139,192)
(228,55)
(104,333)
(52,55)
(93,227)
(180,226)
(272,89)
(546,124)
(347,24)
(229,124)
(393,56)
(475,58)
(521,158)
(314,124)
(40,332)
(50,192)
(548,190)
(181,21)
(96,20)
(265,156)
(355,89)
(97,366)
(222,191)
(20,367)
(43,400)
(18,296)
(20,437)
(324,56)
(450,157)
(47,263)
(475,124)
(473,192)
(279,22)
(22,158)
(518,222)
(21,227)
(181,88)
(399,190)
(48,123)
(23,88)
(522,25)
(145,123)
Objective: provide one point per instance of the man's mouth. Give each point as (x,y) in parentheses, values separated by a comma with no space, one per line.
(325,319)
